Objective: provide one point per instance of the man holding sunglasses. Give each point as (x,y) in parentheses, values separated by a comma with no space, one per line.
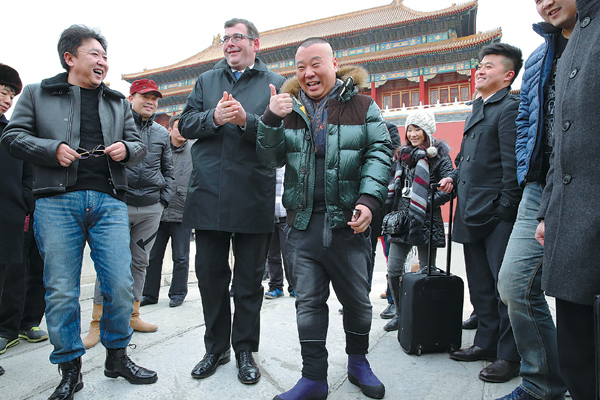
(231,197)
(80,200)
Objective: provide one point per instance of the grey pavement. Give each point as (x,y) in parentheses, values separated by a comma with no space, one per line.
(178,345)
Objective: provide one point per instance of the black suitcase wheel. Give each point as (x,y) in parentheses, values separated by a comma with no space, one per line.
(419,350)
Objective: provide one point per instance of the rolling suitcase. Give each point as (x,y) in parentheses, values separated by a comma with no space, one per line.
(431,305)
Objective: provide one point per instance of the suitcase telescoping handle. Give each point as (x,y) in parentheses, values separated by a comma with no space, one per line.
(434,187)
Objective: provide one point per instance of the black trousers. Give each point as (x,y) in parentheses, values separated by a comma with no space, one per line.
(214,275)
(22,291)
(277,257)
(483,259)
(576,348)
(322,256)
(180,250)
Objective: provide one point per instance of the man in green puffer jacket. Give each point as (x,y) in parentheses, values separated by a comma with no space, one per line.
(336,149)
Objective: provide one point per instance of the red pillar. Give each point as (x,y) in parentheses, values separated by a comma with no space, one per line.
(422,90)
(374,94)
(472,82)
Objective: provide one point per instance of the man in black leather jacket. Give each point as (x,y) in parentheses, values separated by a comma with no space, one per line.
(80,135)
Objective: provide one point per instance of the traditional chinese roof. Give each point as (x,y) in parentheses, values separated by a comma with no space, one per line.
(347,30)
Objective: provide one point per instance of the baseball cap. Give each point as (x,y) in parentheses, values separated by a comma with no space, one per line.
(143,86)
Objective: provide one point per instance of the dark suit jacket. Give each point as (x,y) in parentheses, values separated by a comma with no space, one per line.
(485,178)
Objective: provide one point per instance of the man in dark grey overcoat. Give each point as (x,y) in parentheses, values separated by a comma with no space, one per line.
(231,197)
(488,195)
(570,223)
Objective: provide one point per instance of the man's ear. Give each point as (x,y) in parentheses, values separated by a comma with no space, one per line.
(69,58)
(509,76)
(256,44)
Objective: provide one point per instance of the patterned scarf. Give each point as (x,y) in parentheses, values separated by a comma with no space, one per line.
(317,113)
(415,157)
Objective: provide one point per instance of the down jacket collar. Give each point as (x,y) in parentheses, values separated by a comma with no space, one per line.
(57,84)
(359,76)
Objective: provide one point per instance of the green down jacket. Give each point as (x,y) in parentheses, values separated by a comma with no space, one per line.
(357,154)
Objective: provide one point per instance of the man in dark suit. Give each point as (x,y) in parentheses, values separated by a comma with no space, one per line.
(488,196)
(231,197)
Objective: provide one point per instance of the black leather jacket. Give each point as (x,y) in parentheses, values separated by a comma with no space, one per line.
(48,114)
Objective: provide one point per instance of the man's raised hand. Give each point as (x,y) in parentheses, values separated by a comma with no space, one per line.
(280,104)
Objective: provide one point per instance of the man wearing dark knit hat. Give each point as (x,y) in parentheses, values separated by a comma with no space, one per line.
(21,268)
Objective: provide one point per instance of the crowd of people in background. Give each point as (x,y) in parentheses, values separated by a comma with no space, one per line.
(323,177)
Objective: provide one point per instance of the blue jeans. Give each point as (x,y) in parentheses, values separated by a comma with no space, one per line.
(62,225)
(520,287)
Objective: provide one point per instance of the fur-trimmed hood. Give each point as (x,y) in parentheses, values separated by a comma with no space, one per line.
(359,74)
(59,83)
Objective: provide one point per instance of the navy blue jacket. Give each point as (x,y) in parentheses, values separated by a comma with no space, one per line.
(530,120)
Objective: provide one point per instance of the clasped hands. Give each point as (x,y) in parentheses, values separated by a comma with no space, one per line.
(229,110)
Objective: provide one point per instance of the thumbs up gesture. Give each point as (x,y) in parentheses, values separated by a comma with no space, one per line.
(280,104)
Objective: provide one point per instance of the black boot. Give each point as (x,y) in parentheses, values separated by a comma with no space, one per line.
(71,381)
(394,285)
(118,364)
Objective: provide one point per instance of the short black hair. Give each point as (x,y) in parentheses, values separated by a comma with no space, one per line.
(252,31)
(313,40)
(173,119)
(72,37)
(512,54)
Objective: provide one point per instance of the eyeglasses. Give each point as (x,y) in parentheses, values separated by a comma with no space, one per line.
(236,37)
(97,151)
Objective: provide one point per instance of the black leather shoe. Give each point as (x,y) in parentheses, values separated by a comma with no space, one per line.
(473,353)
(118,364)
(209,363)
(389,312)
(392,325)
(146,301)
(500,371)
(248,372)
(471,323)
(175,302)
(71,381)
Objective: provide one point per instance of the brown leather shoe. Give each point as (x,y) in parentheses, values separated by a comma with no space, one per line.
(473,353)
(500,371)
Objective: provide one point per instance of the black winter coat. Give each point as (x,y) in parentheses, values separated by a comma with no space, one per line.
(16,201)
(151,181)
(230,190)
(485,178)
(440,167)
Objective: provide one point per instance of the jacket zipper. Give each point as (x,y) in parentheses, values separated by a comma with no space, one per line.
(71,95)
